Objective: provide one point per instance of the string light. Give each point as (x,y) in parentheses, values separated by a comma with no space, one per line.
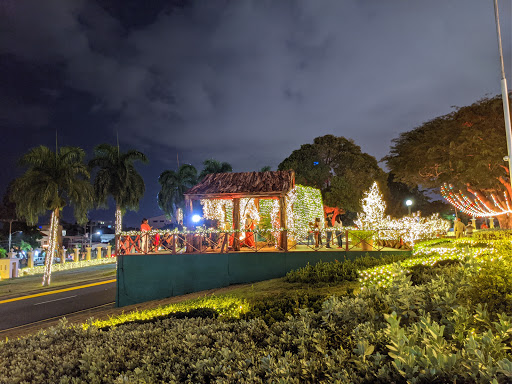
(373,206)
(303,205)
(52,245)
(475,207)
(119,221)
(409,228)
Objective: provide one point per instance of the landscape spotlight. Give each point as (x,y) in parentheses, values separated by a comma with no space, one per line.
(196,218)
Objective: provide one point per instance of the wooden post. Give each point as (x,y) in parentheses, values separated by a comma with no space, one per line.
(282,220)
(236,224)
(346,240)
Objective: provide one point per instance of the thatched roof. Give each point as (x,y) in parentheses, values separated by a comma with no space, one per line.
(243,184)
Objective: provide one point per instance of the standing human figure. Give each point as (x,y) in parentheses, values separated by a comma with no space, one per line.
(311,233)
(248,241)
(339,226)
(318,235)
(459,228)
(328,228)
(469,229)
(145,227)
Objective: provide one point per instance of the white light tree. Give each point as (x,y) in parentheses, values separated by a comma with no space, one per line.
(374,206)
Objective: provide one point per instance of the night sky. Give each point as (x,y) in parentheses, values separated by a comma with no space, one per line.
(242,81)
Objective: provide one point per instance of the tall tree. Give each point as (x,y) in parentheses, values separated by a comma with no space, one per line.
(173,186)
(266,168)
(117,177)
(464,148)
(52,180)
(214,166)
(336,166)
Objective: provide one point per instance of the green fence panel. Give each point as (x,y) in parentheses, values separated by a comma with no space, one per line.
(143,278)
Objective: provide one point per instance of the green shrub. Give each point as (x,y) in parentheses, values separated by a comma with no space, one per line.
(490,283)
(273,309)
(329,272)
(206,306)
(359,235)
(402,334)
(422,274)
(493,234)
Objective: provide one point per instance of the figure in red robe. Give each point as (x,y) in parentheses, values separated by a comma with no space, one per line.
(250,224)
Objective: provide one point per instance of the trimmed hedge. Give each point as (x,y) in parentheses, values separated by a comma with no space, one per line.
(329,272)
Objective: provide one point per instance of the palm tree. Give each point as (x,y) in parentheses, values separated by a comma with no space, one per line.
(266,168)
(173,186)
(52,180)
(117,177)
(214,166)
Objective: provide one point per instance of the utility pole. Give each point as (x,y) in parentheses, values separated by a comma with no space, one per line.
(504,91)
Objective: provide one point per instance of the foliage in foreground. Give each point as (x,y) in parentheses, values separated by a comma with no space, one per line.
(405,333)
(224,306)
(328,272)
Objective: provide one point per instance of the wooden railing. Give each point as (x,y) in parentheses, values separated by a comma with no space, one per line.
(175,242)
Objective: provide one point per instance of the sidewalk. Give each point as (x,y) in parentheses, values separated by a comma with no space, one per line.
(32,284)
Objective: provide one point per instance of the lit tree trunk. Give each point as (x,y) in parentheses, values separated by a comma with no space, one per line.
(52,246)
(505,221)
(119,226)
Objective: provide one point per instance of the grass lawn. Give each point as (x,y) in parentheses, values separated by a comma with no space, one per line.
(25,284)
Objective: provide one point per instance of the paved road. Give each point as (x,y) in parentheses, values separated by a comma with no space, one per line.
(32,308)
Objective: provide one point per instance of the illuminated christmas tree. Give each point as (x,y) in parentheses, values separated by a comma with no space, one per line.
(374,206)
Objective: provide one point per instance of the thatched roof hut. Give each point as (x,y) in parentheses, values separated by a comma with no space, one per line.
(245,185)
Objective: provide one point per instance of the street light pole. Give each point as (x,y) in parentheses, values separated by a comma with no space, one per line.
(409,203)
(504,91)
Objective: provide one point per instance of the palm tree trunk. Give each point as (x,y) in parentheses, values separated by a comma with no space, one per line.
(119,226)
(52,246)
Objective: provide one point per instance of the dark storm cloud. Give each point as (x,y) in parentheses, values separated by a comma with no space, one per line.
(248,81)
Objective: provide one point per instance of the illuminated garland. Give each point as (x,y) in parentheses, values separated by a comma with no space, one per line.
(475,207)
(52,245)
(67,266)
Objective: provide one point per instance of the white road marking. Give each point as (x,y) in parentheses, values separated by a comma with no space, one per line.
(49,301)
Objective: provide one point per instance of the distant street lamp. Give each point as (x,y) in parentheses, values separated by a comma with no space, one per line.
(408,202)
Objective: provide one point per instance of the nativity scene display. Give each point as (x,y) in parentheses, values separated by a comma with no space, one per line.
(258,207)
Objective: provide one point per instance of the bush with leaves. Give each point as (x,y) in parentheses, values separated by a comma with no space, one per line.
(490,283)
(405,333)
(493,234)
(329,272)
